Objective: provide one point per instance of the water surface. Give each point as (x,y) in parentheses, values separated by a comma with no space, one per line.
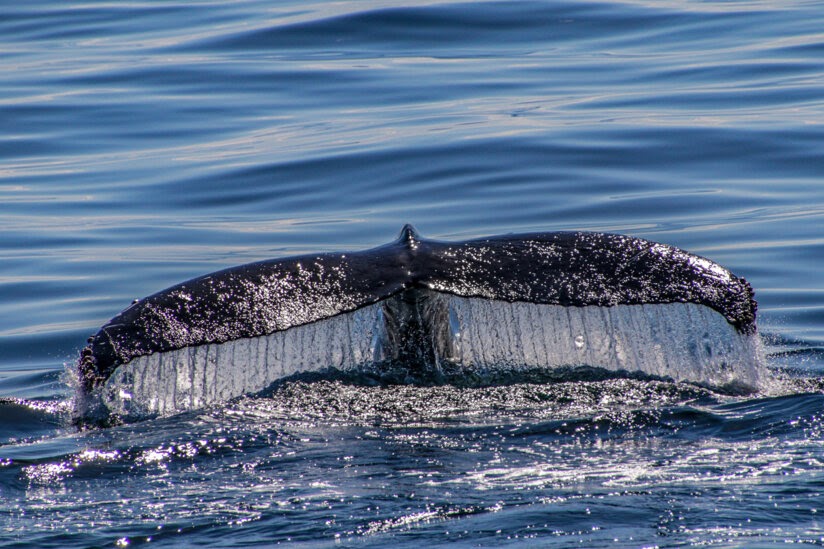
(145,143)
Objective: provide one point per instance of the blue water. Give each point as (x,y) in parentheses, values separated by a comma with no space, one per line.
(145,143)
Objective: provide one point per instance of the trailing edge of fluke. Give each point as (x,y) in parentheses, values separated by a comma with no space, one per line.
(570,269)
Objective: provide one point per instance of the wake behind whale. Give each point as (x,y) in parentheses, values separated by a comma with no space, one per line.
(480,309)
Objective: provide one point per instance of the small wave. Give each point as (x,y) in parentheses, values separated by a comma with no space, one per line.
(25,420)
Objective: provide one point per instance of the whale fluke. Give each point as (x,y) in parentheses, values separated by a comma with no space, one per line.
(542,300)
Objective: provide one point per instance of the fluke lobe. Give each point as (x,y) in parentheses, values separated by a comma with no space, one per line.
(541,300)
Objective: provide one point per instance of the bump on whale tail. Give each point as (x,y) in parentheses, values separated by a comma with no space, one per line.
(484,307)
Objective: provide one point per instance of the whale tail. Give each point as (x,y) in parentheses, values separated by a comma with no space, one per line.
(518,303)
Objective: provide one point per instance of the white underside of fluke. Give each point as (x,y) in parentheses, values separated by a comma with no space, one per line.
(681,341)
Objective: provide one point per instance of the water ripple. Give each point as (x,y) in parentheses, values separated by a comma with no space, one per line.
(145,143)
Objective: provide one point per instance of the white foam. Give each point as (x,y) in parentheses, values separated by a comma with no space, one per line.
(685,342)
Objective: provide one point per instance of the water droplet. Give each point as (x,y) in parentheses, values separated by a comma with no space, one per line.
(579,342)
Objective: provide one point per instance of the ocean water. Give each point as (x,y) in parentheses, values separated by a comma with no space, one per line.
(145,143)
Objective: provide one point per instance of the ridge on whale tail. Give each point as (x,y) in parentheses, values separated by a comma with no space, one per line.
(513,303)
